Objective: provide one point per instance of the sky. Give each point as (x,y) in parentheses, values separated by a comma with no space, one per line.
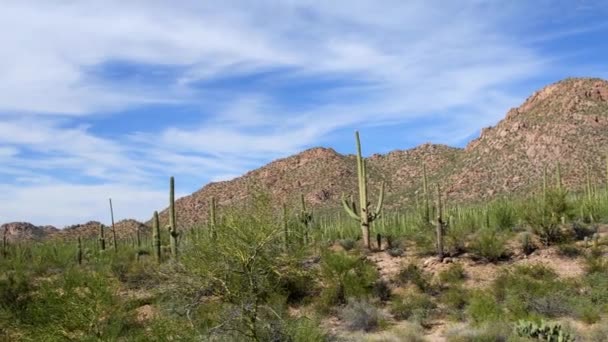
(110,98)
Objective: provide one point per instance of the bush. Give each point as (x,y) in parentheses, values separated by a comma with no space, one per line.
(395,252)
(544,217)
(489,245)
(582,231)
(345,276)
(483,307)
(455,298)
(503,214)
(347,244)
(569,250)
(360,315)
(488,332)
(412,274)
(454,274)
(413,306)
(527,245)
(382,290)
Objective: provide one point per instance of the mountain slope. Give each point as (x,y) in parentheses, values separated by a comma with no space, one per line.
(565,122)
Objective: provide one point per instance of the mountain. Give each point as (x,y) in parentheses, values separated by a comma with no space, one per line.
(566,122)
(24,231)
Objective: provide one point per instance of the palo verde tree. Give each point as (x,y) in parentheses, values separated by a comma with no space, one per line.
(364,214)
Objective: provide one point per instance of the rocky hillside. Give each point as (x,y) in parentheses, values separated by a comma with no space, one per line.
(566,122)
(23,231)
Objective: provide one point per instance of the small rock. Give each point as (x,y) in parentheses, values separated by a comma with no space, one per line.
(448,260)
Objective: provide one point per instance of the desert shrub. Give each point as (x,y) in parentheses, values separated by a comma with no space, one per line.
(455,299)
(598,333)
(347,244)
(412,274)
(533,289)
(587,311)
(543,331)
(502,214)
(569,250)
(489,245)
(544,216)
(404,332)
(382,290)
(454,274)
(483,307)
(305,329)
(527,245)
(413,306)
(395,252)
(297,284)
(456,239)
(595,263)
(345,276)
(360,315)
(15,293)
(581,231)
(487,332)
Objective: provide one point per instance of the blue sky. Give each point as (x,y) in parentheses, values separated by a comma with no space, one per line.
(109,98)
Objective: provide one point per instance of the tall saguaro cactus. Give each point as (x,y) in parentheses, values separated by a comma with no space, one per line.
(173,233)
(113,227)
(365,215)
(425,192)
(439,224)
(79,256)
(305,217)
(102,238)
(156,236)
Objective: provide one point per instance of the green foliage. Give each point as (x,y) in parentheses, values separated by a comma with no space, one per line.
(489,245)
(483,307)
(413,306)
(360,315)
(347,244)
(569,250)
(544,216)
(452,275)
(543,331)
(502,214)
(345,276)
(527,245)
(412,274)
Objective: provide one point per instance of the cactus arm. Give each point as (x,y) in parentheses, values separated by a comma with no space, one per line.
(348,209)
(380,202)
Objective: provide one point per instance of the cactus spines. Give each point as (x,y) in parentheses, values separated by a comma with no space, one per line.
(173,233)
(102,238)
(366,215)
(79,255)
(156,236)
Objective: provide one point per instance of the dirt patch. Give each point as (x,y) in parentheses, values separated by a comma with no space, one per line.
(145,313)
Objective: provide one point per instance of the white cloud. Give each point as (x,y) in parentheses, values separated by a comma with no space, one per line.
(397,63)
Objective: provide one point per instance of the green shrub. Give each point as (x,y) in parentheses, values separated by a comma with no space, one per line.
(454,274)
(544,217)
(502,214)
(487,332)
(527,245)
(455,298)
(345,276)
(483,307)
(569,250)
(412,274)
(395,252)
(305,329)
(413,306)
(382,290)
(347,244)
(360,315)
(489,245)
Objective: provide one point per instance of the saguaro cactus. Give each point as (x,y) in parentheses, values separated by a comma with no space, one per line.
(305,218)
(426,214)
(113,227)
(156,236)
(173,233)
(102,238)
(365,215)
(79,251)
(439,224)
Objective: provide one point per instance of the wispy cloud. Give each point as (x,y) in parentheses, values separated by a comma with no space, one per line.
(101,99)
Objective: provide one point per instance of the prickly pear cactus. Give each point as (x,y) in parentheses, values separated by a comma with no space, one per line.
(543,332)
